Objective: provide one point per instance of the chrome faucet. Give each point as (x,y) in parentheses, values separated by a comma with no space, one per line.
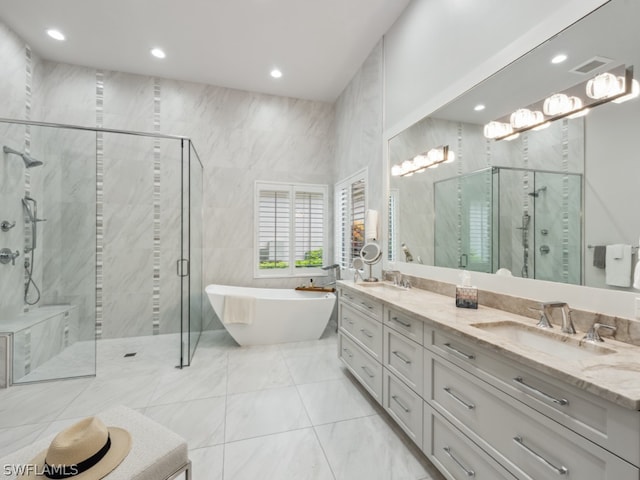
(334,274)
(356,275)
(567,324)
(396,275)
(593,335)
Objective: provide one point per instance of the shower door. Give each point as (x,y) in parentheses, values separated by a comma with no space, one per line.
(48,302)
(190,266)
(557,200)
(464,222)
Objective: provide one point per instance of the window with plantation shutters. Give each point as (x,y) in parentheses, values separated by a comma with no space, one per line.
(291,229)
(479,236)
(349,217)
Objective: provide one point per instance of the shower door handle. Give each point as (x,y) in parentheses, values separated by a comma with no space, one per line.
(180,267)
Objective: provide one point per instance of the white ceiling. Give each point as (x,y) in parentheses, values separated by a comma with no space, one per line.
(318,44)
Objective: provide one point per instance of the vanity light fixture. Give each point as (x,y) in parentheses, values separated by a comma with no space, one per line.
(635,91)
(616,85)
(421,162)
(158,53)
(559,104)
(56,34)
(605,85)
(497,129)
(523,118)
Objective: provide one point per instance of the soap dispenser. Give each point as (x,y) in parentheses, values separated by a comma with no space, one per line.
(466,294)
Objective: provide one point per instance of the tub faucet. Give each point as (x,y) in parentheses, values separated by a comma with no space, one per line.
(334,273)
(567,324)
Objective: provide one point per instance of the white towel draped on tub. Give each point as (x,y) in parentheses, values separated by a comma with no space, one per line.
(239,309)
(618,265)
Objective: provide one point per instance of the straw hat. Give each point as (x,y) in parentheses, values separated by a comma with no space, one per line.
(87,450)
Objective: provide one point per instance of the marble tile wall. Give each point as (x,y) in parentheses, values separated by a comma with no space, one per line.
(13,81)
(241,137)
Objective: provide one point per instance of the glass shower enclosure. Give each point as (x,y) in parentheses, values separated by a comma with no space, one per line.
(102,235)
(524,220)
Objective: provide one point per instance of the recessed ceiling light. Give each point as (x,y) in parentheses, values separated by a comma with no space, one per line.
(479,107)
(158,53)
(559,58)
(55,34)
(276,73)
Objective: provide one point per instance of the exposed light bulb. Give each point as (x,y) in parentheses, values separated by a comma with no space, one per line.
(497,129)
(523,118)
(635,91)
(559,104)
(604,85)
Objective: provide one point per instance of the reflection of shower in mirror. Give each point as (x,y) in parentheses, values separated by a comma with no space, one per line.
(407,254)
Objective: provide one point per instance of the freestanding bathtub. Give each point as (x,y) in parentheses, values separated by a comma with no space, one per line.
(281,315)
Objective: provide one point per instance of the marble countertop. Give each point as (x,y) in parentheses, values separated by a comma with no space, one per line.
(614,376)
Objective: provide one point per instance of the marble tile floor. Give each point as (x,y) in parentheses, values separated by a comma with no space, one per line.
(278,412)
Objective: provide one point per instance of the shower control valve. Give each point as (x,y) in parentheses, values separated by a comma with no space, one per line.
(5,226)
(6,256)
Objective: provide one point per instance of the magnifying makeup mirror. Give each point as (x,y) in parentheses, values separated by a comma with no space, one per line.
(371,254)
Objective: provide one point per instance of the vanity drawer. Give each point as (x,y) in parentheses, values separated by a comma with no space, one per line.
(404,358)
(454,454)
(405,324)
(363,329)
(362,366)
(605,423)
(404,405)
(371,307)
(527,443)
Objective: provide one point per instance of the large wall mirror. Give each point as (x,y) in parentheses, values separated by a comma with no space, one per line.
(552,202)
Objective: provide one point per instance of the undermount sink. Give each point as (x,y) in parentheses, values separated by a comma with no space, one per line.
(558,344)
(381,284)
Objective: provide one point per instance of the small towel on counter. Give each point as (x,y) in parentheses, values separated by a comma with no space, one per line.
(618,269)
(239,309)
(599,256)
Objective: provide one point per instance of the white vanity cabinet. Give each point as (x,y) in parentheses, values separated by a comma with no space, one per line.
(476,413)
(611,426)
(527,443)
(360,339)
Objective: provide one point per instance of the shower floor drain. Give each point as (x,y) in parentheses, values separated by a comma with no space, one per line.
(129,355)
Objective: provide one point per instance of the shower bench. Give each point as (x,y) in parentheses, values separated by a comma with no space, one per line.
(34,337)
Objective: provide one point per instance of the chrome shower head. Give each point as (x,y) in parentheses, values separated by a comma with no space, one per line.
(29,162)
